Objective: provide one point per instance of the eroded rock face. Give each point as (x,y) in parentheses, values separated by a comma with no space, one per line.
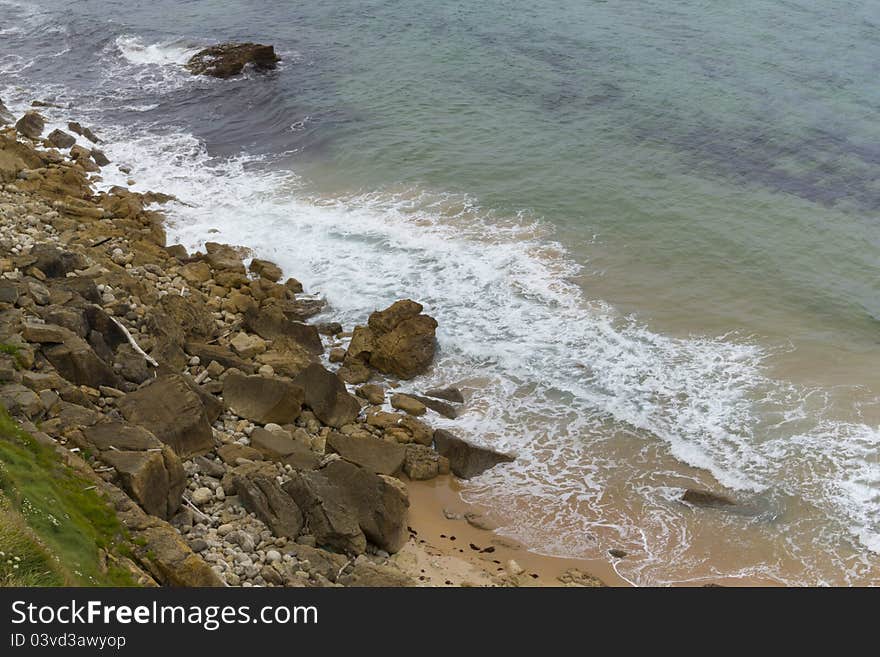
(466,460)
(399,340)
(173,412)
(227,60)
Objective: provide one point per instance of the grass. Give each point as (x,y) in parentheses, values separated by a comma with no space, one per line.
(51,519)
(12,350)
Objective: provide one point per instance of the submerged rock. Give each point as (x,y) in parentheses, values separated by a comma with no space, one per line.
(229,59)
(705,498)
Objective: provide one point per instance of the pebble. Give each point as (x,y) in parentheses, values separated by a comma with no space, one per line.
(202,496)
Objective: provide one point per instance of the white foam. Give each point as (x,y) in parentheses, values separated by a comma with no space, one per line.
(558,373)
(169,53)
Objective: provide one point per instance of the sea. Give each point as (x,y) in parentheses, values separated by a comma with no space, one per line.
(649,231)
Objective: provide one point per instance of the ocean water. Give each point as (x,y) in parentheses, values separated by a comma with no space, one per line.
(648,231)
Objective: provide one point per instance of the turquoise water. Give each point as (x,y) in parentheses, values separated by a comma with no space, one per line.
(648,230)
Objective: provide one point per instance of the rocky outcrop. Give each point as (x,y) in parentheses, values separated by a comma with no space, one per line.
(263,399)
(466,460)
(229,59)
(398,340)
(6,117)
(173,412)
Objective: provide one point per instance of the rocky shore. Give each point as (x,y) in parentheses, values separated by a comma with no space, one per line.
(239,441)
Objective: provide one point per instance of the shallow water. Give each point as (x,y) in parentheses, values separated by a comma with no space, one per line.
(647,232)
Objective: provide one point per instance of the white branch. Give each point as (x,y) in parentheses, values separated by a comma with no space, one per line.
(134,345)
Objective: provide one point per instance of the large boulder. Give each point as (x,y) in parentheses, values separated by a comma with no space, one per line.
(281,446)
(54,262)
(398,340)
(272,324)
(77,362)
(229,59)
(466,460)
(380,502)
(277,509)
(30,125)
(263,399)
(224,257)
(173,412)
(154,479)
(330,521)
(223,355)
(327,396)
(374,454)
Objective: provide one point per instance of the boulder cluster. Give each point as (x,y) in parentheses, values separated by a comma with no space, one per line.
(241,441)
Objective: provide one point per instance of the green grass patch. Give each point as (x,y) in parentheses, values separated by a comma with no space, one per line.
(61,521)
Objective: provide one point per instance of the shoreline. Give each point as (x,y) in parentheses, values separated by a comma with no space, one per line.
(197,331)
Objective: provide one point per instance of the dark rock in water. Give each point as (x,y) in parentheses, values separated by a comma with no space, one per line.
(466,460)
(73,126)
(449,394)
(229,59)
(617,553)
(6,116)
(61,139)
(30,125)
(705,498)
(444,409)
(100,159)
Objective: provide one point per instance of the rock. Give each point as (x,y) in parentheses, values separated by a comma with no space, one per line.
(375,455)
(196,273)
(30,125)
(265,269)
(263,399)
(617,553)
(706,499)
(373,393)
(247,346)
(407,404)
(479,521)
(221,355)
(208,467)
(56,263)
(230,454)
(131,365)
(330,521)
(446,410)
(113,435)
(170,559)
(6,116)
(45,333)
(99,157)
(19,400)
(154,479)
(75,127)
(229,59)
(271,504)
(448,394)
(575,577)
(280,446)
(327,396)
(366,573)
(173,412)
(223,257)
(242,540)
(329,328)
(466,460)
(202,496)
(379,503)
(423,463)
(61,139)
(272,324)
(337,355)
(398,340)
(77,362)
